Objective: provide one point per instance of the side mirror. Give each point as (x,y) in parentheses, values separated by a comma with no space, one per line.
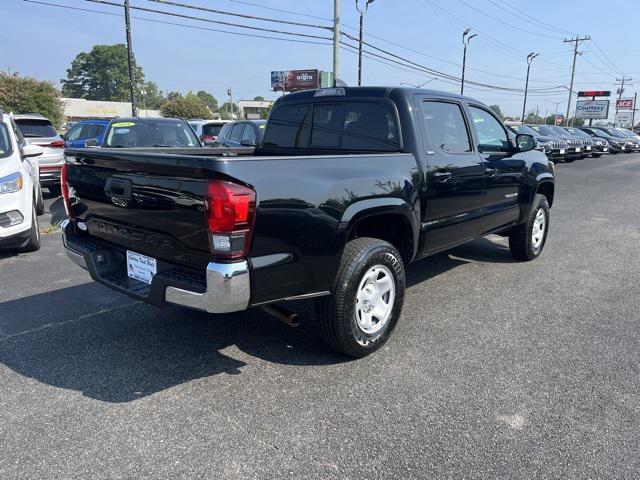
(92,143)
(30,150)
(248,143)
(525,142)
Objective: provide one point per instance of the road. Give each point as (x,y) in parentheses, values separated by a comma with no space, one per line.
(497,369)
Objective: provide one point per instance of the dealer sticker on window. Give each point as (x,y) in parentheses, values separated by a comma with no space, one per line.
(141,267)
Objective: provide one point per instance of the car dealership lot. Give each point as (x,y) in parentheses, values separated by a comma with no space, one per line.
(497,369)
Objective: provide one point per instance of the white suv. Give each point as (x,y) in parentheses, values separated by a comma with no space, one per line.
(37,130)
(20,192)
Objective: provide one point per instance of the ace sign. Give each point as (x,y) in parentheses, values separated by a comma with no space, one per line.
(624,104)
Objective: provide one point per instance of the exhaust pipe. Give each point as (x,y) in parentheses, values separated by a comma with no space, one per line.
(290,318)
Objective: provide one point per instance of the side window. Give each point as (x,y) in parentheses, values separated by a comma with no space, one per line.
(446,128)
(491,135)
(74,133)
(249,134)
(236,133)
(288,127)
(90,131)
(19,137)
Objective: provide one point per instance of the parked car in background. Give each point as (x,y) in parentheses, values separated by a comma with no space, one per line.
(348,186)
(148,132)
(20,191)
(84,130)
(37,130)
(583,146)
(245,133)
(207,130)
(553,147)
(629,144)
(596,146)
(572,148)
(630,134)
(616,144)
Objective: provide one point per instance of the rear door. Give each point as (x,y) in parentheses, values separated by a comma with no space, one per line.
(502,167)
(455,175)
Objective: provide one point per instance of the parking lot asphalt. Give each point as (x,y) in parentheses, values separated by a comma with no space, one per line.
(497,369)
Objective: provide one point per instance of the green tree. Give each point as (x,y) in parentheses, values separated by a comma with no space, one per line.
(101,74)
(189,106)
(27,95)
(150,96)
(496,109)
(174,95)
(209,99)
(258,99)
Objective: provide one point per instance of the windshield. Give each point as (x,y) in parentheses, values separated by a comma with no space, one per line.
(33,128)
(544,130)
(212,129)
(560,132)
(525,129)
(577,133)
(613,132)
(150,133)
(5,141)
(627,133)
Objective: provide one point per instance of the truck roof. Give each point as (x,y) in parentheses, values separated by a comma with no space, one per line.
(370,92)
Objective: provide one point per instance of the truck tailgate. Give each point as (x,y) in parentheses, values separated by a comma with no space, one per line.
(150,203)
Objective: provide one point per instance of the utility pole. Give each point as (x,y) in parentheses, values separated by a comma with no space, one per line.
(132,80)
(230,93)
(576,41)
(465,42)
(336,40)
(633,111)
(361,11)
(620,92)
(530,58)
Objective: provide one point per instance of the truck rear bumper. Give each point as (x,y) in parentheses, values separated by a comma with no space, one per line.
(223,288)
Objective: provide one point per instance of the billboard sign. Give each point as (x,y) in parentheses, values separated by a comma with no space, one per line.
(623,119)
(624,104)
(294,80)
(592,109)
(594,93)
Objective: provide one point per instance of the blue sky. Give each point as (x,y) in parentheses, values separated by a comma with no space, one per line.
(41,41)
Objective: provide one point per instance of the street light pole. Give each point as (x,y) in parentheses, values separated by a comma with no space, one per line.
(530,58)
(361,11)
(465,42)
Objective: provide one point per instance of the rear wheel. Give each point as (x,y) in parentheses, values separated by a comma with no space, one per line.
(527,240)
(33,243)
(367,298)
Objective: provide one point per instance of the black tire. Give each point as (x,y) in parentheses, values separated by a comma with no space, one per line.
(33,243)
(596,155)
(39,201)
(55,190)
(569,160)
(336,314)
(521,242)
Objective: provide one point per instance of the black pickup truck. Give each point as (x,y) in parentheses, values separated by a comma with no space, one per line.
(348,186)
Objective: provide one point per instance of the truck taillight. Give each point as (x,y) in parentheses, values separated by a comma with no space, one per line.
(64,188)
(230,211)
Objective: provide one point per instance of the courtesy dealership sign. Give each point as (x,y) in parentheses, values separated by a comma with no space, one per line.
(592,109)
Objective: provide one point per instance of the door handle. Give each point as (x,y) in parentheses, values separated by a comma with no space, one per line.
(490,172)
(442,176)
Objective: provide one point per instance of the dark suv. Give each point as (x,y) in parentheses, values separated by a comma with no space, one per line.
(245,133)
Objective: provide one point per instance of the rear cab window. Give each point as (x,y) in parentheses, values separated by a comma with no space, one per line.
(36,128)
(334,125)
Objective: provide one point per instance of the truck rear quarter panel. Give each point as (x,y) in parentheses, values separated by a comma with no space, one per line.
(301,227)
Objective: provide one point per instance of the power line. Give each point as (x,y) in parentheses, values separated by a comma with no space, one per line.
(184,25)
(482,12)
(200,19)
(241,15)
(525,16)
